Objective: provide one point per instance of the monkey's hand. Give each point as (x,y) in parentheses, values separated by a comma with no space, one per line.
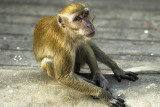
(120,74)
(101,81)
(112,101)
(117,102)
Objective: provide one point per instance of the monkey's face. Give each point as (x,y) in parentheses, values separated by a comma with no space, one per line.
(82,25)
(78,24)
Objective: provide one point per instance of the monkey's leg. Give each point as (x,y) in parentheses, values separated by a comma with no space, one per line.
(64,74)
(90,59)
(47,65)
(78,63)
(75,82)
(118,72)
(77,68)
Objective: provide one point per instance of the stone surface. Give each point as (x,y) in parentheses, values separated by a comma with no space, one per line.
(35,88)
(128,31)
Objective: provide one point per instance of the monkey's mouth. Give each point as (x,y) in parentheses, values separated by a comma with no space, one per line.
(91,34)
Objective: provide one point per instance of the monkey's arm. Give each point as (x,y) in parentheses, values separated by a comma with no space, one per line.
(65,75)
(73,81)
(90,58)
(119,73)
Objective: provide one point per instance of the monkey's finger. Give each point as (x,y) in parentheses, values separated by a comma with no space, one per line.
(129,77)
(117,103)
(120,99)
(132,74)
(114,105)
(121,104)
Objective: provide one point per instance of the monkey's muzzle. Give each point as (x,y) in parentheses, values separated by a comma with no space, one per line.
(91,34)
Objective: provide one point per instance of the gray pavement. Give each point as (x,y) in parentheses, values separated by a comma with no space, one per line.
(35,88)
(128,31)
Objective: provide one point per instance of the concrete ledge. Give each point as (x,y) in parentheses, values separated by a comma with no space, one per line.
(145,69)
(35,88)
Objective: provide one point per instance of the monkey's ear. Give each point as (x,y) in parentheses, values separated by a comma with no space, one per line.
(60,21)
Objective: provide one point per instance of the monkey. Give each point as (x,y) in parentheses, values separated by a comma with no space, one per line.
(63,43)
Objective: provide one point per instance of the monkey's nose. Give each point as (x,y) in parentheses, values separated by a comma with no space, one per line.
(89,26)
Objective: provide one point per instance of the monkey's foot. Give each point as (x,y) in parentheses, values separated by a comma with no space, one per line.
(117,102)
(120,74)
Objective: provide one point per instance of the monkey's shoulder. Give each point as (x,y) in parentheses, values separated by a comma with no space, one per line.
(48,19)
(48,24)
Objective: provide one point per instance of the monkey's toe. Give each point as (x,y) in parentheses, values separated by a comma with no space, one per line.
(117,102)
(131,76)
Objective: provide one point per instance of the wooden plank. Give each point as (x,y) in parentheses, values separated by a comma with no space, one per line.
(126,4)
(99,22)
(108,33)
(102,32)
(18,19)
(26,58)
(16,29)
(48,1)
(16,37)
(127,14)
(17,68)
(128,34)
(130,48)
(138,5)
(123,23)
(136,66)
(29,9)
(109,46)
(38,10)
(130,15)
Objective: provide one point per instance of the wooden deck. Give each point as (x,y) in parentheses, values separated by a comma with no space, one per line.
(127,30)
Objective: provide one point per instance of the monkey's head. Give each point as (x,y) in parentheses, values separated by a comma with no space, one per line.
(75,19)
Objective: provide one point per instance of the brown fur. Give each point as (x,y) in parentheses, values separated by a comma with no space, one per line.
(53,43)
(72,8)
(61,52)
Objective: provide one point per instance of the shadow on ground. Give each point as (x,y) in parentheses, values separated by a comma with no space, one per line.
(35,88)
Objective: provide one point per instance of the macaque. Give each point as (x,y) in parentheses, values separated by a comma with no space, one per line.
(62,44)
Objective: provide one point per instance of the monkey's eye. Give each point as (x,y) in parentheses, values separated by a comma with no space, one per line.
(78,18)
(86,14)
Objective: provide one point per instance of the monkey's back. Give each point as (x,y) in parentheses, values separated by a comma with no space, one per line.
(45,37)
